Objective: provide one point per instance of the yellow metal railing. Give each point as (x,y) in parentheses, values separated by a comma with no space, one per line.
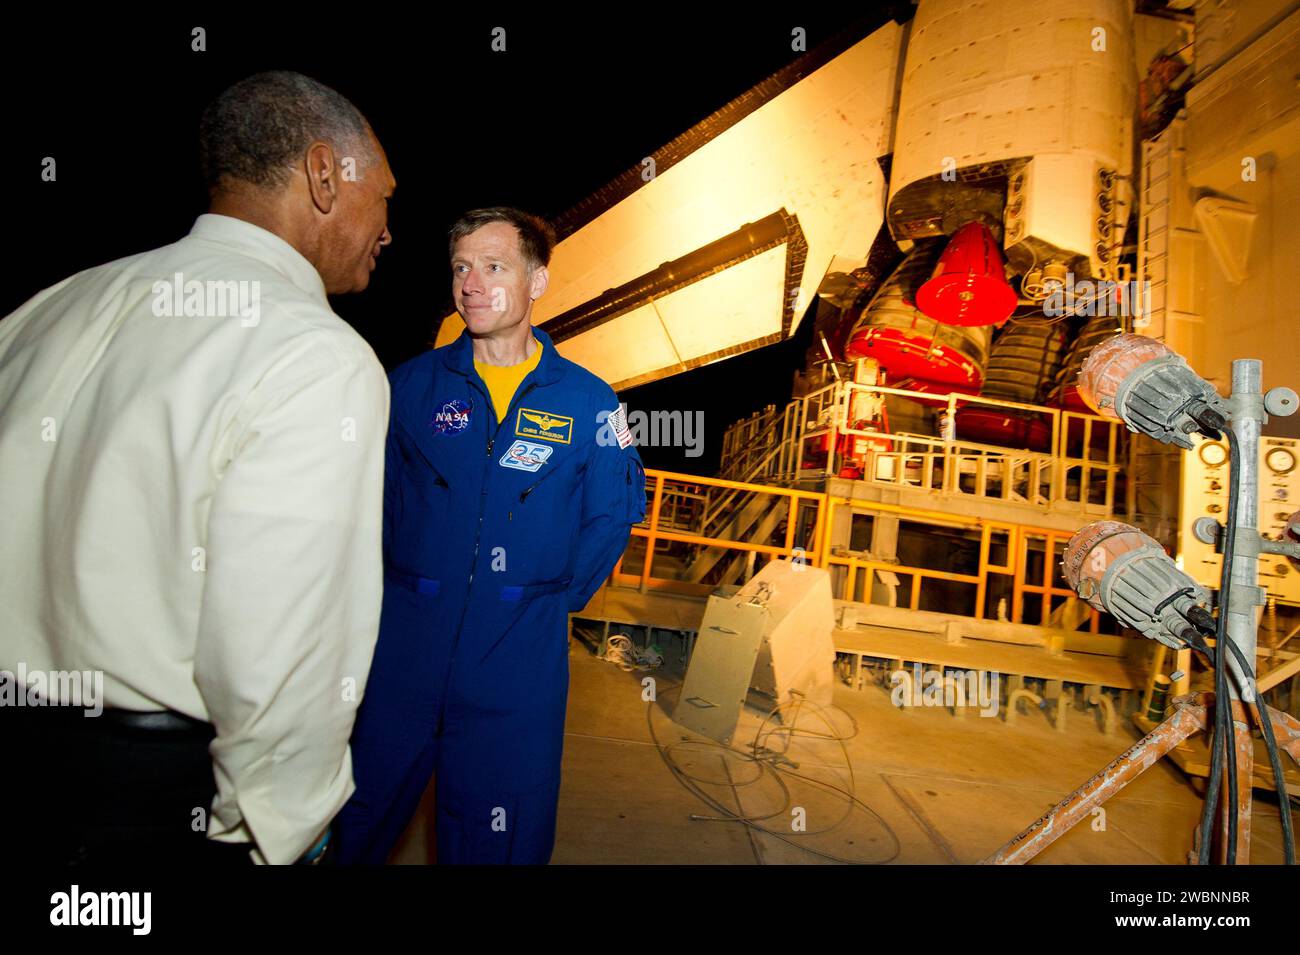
(748,443)
(806,537)
(665,486)
(1080,465)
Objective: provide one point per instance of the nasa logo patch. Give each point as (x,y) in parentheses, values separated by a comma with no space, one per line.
(526,456)
(451,417)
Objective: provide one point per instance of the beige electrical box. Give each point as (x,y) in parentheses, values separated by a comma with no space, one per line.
(717,679)
(1205,493)
(773,635)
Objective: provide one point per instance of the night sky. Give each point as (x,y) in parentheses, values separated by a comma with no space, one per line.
(566,108)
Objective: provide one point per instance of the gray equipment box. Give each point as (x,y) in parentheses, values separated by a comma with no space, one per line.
(774,635)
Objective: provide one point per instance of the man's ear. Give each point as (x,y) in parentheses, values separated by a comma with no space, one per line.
(322,176)
(541,279)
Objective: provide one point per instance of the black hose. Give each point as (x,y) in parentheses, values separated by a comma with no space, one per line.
(1226,712)
(1275,760)
(1222,744)
(1229,726)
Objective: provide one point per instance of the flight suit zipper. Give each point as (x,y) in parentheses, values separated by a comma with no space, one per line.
(523,495)
(478,531)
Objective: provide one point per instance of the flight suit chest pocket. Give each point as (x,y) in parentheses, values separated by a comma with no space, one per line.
(555,474)
(424,473)
(433,490)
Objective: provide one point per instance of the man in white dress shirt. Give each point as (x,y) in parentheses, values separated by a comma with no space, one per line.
(191,481)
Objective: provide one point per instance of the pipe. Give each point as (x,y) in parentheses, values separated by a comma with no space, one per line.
(1013,702)
(1246,421)
(1062,703)
(1108,720)
(1187,719)
(955,690)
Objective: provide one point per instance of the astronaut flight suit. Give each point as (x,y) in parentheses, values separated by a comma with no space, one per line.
(493,534)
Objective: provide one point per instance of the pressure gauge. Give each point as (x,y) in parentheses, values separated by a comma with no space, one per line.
(1280,461)
(1213,454)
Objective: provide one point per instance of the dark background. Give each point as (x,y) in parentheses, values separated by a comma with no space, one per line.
(573,102)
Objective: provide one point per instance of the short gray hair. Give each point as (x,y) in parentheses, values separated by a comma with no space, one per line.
(257,129)
(536,237)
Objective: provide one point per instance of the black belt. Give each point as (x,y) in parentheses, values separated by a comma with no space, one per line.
(156,721)
(157,724)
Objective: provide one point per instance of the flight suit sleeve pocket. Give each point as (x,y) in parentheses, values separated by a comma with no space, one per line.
(636,508)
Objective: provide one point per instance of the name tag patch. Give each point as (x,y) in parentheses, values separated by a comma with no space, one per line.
(526,456)
(543,426)
(451,417)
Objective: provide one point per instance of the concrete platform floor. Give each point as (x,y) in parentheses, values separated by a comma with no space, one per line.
(952,789)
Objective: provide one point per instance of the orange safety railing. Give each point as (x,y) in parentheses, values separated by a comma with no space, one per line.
(670,521)
(666,487)
(1078,464)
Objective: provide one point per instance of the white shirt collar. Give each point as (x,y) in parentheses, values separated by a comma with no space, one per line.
(263,245)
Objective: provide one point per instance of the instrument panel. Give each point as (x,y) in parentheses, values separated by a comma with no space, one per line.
(1205,492)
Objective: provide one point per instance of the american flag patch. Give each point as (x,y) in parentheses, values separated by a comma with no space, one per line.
(618,424)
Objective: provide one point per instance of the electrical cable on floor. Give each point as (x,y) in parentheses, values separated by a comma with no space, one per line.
(763,752)
(768,762)
(627,656)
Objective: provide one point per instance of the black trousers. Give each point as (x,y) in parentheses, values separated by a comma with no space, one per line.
(82,790)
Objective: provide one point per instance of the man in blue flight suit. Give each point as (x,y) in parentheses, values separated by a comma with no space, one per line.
(510,491)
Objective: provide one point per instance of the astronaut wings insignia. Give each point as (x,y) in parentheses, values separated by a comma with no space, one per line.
(544,425)
(543,421)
